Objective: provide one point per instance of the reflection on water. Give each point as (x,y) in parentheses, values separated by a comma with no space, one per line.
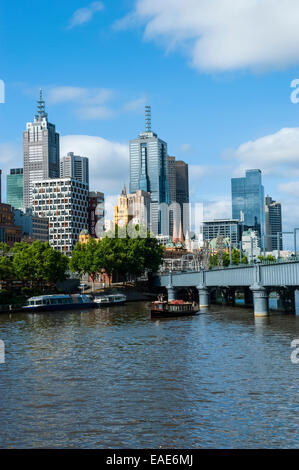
(116,379)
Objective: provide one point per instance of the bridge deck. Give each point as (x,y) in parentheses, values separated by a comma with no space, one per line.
(274,275)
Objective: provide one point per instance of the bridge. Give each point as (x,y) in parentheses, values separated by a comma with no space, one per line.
(257,281)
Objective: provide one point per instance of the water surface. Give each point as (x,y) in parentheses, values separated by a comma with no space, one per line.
(116,379)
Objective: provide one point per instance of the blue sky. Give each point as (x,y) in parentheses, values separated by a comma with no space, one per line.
(218,80)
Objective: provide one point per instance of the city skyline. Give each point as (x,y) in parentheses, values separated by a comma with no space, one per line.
(198,111)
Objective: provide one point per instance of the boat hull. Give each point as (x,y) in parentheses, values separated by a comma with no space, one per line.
(59,308)
(109,304)
(165,314)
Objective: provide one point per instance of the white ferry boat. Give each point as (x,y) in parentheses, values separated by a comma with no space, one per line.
(113,299)
(49,303)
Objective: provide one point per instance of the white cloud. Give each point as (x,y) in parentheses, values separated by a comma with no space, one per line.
(217,209)
(185,148)
(109,161)
(135,105)
(83,15)
(292,188)
(274,154)
(95,112)
(222,35)
(63,94)
(92,103)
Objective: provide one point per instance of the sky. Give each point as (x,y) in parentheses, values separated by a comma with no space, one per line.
(217,75)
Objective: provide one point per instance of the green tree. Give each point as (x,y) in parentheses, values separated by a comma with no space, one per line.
(269,258)
(39,263)
(23,262)
(6,269)
(55,265)
(118,256)
(85,259)
(4,249)
(226,258)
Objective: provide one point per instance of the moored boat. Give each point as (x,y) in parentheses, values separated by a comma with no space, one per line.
(175,308)
(50,303)
(111,299)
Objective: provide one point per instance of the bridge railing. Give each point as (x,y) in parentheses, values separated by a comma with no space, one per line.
(178,265)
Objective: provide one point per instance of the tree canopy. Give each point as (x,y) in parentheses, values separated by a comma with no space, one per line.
(119,255)
(226,258)
(35,263)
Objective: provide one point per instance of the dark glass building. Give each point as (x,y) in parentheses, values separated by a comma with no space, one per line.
(248,201)
(273,224)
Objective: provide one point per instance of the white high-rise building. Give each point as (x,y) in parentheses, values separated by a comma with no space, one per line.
(40,151)
(64,201)
(74,166)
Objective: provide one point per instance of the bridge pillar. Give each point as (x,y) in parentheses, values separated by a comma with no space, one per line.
(248,297)
(286,301)
(260,300)
(204,297)
(171,293)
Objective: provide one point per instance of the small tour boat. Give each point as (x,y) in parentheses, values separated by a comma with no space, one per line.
(175,308)
(112,299)
(49,303)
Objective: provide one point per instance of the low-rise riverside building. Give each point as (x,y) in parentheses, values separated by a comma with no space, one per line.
(10,233)
(64,201)
(33,227)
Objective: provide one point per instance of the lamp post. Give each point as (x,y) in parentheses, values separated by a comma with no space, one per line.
(230,245)
(295,242)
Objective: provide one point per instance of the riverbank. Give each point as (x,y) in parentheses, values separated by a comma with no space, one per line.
(141,293)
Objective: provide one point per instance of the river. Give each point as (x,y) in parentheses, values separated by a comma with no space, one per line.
(117,379)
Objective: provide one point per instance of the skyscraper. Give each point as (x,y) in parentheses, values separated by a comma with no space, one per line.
(149,170)
(74,166)
(172,179)
(178,177)
(14,188)
(174,213)
(273,224)
(248,201)
(40,151)
(182,192)
(96,214)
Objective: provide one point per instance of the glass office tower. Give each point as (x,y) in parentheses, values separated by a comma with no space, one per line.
(149,171)
(14,188)
(248,201)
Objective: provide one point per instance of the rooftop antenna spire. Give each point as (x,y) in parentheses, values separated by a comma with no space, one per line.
(41,106)
(148,119)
